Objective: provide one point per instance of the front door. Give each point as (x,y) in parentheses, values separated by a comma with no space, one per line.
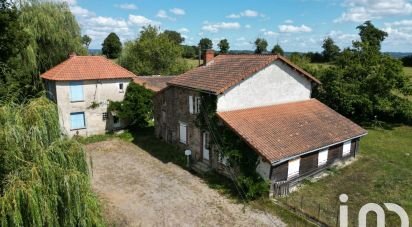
(206,146)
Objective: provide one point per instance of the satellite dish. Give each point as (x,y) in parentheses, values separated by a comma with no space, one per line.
(188,152)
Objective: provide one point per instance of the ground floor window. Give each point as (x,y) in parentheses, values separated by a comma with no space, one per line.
(293,168)
(183,132)
(346,148)
(104,116)
(77,120)
(323,157)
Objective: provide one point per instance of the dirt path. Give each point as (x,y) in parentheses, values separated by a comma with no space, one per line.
(140,190)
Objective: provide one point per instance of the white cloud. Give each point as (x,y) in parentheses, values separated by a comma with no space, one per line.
(141,20)
(248,26)
(218,26)
(270,33)
(288,21)
(183,30)
(80,12)
(177,11)
(362,10)
(127,6)
(162,14)
(285,28)
(246,13)
(399,34)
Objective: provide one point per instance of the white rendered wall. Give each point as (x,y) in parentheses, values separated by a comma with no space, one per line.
(93,90)
(277,83)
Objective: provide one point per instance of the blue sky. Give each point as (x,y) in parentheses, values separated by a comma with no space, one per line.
(297,25)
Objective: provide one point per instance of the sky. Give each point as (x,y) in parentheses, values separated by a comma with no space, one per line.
(297,25)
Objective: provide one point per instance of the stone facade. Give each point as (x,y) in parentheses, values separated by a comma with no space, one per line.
(171,107)
(98,91)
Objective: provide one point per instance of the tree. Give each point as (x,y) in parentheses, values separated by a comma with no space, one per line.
(44,176)
(205,44)
(362,81)
(137,106)
(407,61)
(371,37)
(13,41)
(190,51)
(111,46)
(261,45)
(86,40)
(330,49)
(174,36)
(42,35)
(277,49)
(153,53)
(224,46)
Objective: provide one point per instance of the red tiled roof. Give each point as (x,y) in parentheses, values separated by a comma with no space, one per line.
(154,83)
(227,70)
(285,130)
(87,68)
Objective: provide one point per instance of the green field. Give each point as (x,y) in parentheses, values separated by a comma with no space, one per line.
(193,63)
(381,174)
(408,71)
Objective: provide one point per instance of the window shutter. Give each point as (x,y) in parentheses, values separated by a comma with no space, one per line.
(183,133)
(76,91)
(191,104)
(346,148)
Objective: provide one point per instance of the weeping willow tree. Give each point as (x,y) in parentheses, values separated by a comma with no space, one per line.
(54,33)
(43,176)
(48,32)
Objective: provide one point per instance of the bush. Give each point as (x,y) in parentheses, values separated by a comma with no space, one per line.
(137,106)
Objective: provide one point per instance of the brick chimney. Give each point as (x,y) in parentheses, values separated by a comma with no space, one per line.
(208,56)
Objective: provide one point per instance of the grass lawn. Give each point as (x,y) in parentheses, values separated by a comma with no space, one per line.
(408,71)
(193,63)
(381,174)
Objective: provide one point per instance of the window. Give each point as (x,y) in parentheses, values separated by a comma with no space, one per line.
(323,157)
(77,121)
(76,91)
(223,160)
(197,105)
(116,121)
(346,148)
(163,116)
(104,116)
(293,168)
(121,88)
(183,132)
(207,140)
(194,104)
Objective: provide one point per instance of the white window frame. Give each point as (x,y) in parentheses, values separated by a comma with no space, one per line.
(346,148)
(323,157)
(194,104)
(183,136)
(293,168)
(190,104)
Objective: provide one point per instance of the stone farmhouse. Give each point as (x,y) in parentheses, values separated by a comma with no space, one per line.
(82,87)
(266,100)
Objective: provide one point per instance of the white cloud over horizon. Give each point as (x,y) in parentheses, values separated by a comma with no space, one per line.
(288,28)
(213,28)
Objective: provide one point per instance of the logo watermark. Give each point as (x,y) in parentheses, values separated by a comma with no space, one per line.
(371,207)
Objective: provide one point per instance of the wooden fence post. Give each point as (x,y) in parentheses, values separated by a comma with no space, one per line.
(301,203)
(319,211)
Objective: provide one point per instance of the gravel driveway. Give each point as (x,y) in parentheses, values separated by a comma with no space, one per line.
(139,190)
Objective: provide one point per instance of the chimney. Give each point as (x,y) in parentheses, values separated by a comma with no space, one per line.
(208,56)
(73,54)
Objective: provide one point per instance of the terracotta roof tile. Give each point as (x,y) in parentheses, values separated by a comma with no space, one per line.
(154,83)
(87,68)
(285,130)
(225,71)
